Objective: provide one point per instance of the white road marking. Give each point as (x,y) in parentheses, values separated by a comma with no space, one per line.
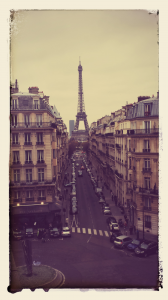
(84,230)
(73,229)
(89,239)
(89,231)
(106,233)
(100,232)
(95,231)
(78,230)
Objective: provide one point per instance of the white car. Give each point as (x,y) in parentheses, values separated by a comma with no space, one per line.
(114,226)
(65,232)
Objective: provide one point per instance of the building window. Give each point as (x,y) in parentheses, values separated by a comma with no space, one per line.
(28,156)
(54,153)
(29,196)
(40,138)
(147,183)
(15,157)
(146,164)
(15,139)
(14,103)
(146,146)
(147,126)
(129,145)
(147,109)
(40,175)
(147,204)
(35,104)
(148,221)
(17,196)
(39,120)
(41,195)
(54,168)
(129,162)
(16,175)
(27,139)
(27,120)
(28,175)
(14,120)
(40,156)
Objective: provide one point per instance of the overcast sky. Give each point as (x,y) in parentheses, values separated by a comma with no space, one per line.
(118,50)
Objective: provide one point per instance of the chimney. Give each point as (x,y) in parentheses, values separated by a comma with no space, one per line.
(33,90)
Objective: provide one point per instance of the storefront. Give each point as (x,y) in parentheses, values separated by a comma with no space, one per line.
(35,215)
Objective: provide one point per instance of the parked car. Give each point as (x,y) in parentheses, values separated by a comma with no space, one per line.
(101,200)
(17,234)
(77,164)
(122,241)
(134,244)
(146,248)
(115,235)
(66,232)
(110,219)
(73,210)
(80,173)
(29,232)
(113,226)
(82,167)
(54,232)
(107,212)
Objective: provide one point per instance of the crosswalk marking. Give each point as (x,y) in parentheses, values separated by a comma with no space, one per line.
(106,233)
(89,231)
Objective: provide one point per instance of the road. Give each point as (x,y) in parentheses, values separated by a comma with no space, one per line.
(88,259)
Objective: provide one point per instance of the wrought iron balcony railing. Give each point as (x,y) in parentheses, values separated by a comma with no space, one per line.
(148,191)
(146,169)
(146,150)
(28,143)
(39,143)
(31,125)
(143,131)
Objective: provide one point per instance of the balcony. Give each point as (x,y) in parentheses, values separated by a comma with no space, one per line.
(42,198)
(28,162)
(147,113)
(17,162)
(28,143)
(147,208)
(148,191)
(146,150)
(143,131)
(118,174)
(146,170)
(22,125)
(15,144)
(40,143)
(41,161)
(19,200)
(30,199)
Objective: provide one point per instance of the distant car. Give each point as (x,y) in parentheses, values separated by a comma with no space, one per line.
(17,234)
(73,210)
(82,167)
(29,232)
(115,235)
(80,174)
(107,212)
(122,241)
(54,232)
(134,244)
(101,200)
(77,164)
(111,219)
(146,248)
(66,232)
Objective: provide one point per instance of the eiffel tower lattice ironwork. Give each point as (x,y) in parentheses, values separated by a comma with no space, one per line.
(81,114)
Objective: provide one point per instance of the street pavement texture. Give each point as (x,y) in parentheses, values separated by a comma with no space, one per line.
(87,259)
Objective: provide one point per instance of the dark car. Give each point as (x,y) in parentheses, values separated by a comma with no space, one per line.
(146,248)
(54,232)
(29,232)
(122,241)
(111,219)
(134,244)
(114,235)
(17,234)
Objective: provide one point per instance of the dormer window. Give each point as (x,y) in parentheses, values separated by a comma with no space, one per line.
(36,105)
(147,109)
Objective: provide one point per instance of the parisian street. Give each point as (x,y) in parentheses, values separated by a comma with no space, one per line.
(88,259)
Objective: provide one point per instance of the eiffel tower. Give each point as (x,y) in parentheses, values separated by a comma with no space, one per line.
(81,114)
